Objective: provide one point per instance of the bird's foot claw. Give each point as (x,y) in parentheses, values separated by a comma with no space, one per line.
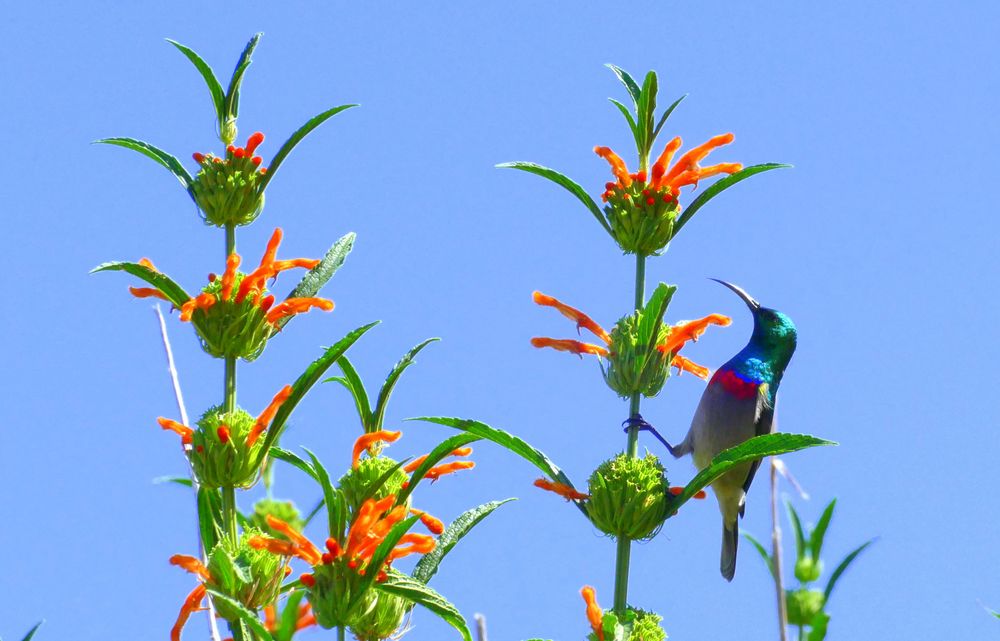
(639,423)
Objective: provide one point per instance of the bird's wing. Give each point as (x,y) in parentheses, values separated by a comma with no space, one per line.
(763,424)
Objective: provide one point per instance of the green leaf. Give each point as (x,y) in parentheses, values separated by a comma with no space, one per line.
(33,630)
(428,564)
(763,553)
(379,558)
(628,115)
(564,182)
(352,382)
(719,187)
(752,449)
(652,315)
(644,113)
(817,627)
(232,105)
(209,511)
(630,84)
(313,512)
(309,378)
(214,87)
(391,380)
(178,480)
(160,281)
(666,114)
(410,589)
(819,532)
(843,567)
(443,449)
(289,617)
(319,275)
(158,155)
(295,139)
(373,488)
(800,537)
(329,492)
(293,459)
(246,616)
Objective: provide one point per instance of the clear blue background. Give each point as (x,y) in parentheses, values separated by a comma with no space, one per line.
(880,244)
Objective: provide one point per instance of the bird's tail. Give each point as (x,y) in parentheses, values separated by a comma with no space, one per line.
(730,541)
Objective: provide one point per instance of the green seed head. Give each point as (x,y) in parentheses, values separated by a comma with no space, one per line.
(634,367)
(628,497)
(641,218)
(804,605)
(382,614)
(227,189)
(223,454)
(251,577)
(363,481)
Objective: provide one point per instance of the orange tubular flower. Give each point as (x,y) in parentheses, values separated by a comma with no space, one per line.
(412,466)
(438,471)
(677,490)
(561,489)
(685,365)
(686,331)
(185,432)
(595,614)
(581,320)
(435,526)
(268,414)
(193,601)
(365,441)
(305,618)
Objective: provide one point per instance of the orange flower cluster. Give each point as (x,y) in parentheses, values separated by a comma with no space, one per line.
(665,182)
(237,152)
(305,619)
(365,442)
(677,336)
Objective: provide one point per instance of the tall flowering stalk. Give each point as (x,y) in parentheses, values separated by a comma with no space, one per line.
(351,583)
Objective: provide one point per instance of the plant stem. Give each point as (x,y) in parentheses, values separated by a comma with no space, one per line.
(340,634)
(623,553)
(776,555)
(229,511)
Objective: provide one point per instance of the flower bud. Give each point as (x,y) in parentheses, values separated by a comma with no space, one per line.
(330,592)
(227,189)
(284,510)
(808,569)
(358,483)
(381,615)
(247,575)
(628,497)
(635,366)
(641,218)
(804,605)
(223,453)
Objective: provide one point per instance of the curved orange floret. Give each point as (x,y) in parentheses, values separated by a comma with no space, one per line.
(433,524)
(274,546)
(253,142)
(677,491)
(660,166)
(411,543)
(190,605)
(293,306)
(568,345)
(594,612)
(572,313)
(686,365)
(265,418)
(191,564)
(365,441)
(410,467)
(147,292)
(618,167)
(563,490)
(462,451)
(229,276)
(438,471)
(184,431)
(681,333)
(305,545)
(148,264)
(687,171)
(203,300)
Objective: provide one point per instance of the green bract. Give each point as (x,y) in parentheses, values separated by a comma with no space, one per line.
(634,365)
(632,625)
(221,455)
(804,605)
(382,614)
(642,220)
(628,497)
(228,190)
(234,327)
(284,510)
(374,478)
(250,577)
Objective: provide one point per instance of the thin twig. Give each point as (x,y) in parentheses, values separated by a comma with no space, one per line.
(776,543)
(175,381)
(480,626)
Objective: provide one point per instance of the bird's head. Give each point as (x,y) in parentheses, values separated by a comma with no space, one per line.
(772,330)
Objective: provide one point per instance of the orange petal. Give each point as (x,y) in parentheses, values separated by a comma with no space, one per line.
(689,161)
(563,490)
(594,612)
(567,345)
(148,264)
(229,277)
(191,604)
(575,315)
(414,464)
(292,306)
(660,166)
(438,471)
(367,440)
(267,415)
(683,332)
(203,300)
(431,523)
(147,292)
(677,491)
(184,431)
(191,564)
(272,248)
(618,167)
(282,265)
(411,543)
(684,365)
(309,552)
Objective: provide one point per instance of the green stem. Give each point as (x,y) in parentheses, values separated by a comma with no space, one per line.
(623,553)
(341,634)
(229,511)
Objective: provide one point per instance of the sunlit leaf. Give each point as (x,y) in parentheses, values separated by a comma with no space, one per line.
(32,631)
(428,564)
(295,139)
(161,157)
(763,553)
(843,567)
(800,535)
(214,87)
(245,615)
(353,384)
(160,281)
(718,187)
(819,532)
(410,589)
(378,416)
(320,275)
(232,106)
(442,451)
(630,84)
(563,181)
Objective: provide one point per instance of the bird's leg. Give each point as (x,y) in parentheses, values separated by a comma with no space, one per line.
(640,423)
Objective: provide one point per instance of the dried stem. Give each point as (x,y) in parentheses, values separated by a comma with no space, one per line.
(480,627)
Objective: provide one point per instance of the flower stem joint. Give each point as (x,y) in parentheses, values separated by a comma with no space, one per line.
(227,188)
(629,497)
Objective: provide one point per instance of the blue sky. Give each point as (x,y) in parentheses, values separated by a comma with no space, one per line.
(880,244)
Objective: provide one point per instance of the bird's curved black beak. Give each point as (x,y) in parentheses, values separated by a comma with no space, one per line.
(747,298)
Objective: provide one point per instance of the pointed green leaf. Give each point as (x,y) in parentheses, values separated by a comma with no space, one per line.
(245,615)
(428,564)
(160,281)
(564,182)
(32,631)
(319,275)
(750,450)
(666,114)
(295,139)
(718,187)
(313,512)
(293,459)
(410,589)
(214,87)
(209,512)
(630,84)
(378,416)
(309,378)
(232,106)
(289,617)
(768,561)
(628,115)
(652,315)
(356,387)
(178,480)
(645,113)
(158,155)
(329,492)
(800,536)
(443,450)
(819,532)
(818,626)
(843,567)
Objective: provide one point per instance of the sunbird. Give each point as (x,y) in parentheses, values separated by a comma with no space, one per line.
(737,405)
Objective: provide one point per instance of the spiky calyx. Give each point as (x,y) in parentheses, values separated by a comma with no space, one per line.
(634,365)
(250,576)
(382,614)
(227,189)
(373,478)
(628,497)
(224,454)
(284,510)
(804,605)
